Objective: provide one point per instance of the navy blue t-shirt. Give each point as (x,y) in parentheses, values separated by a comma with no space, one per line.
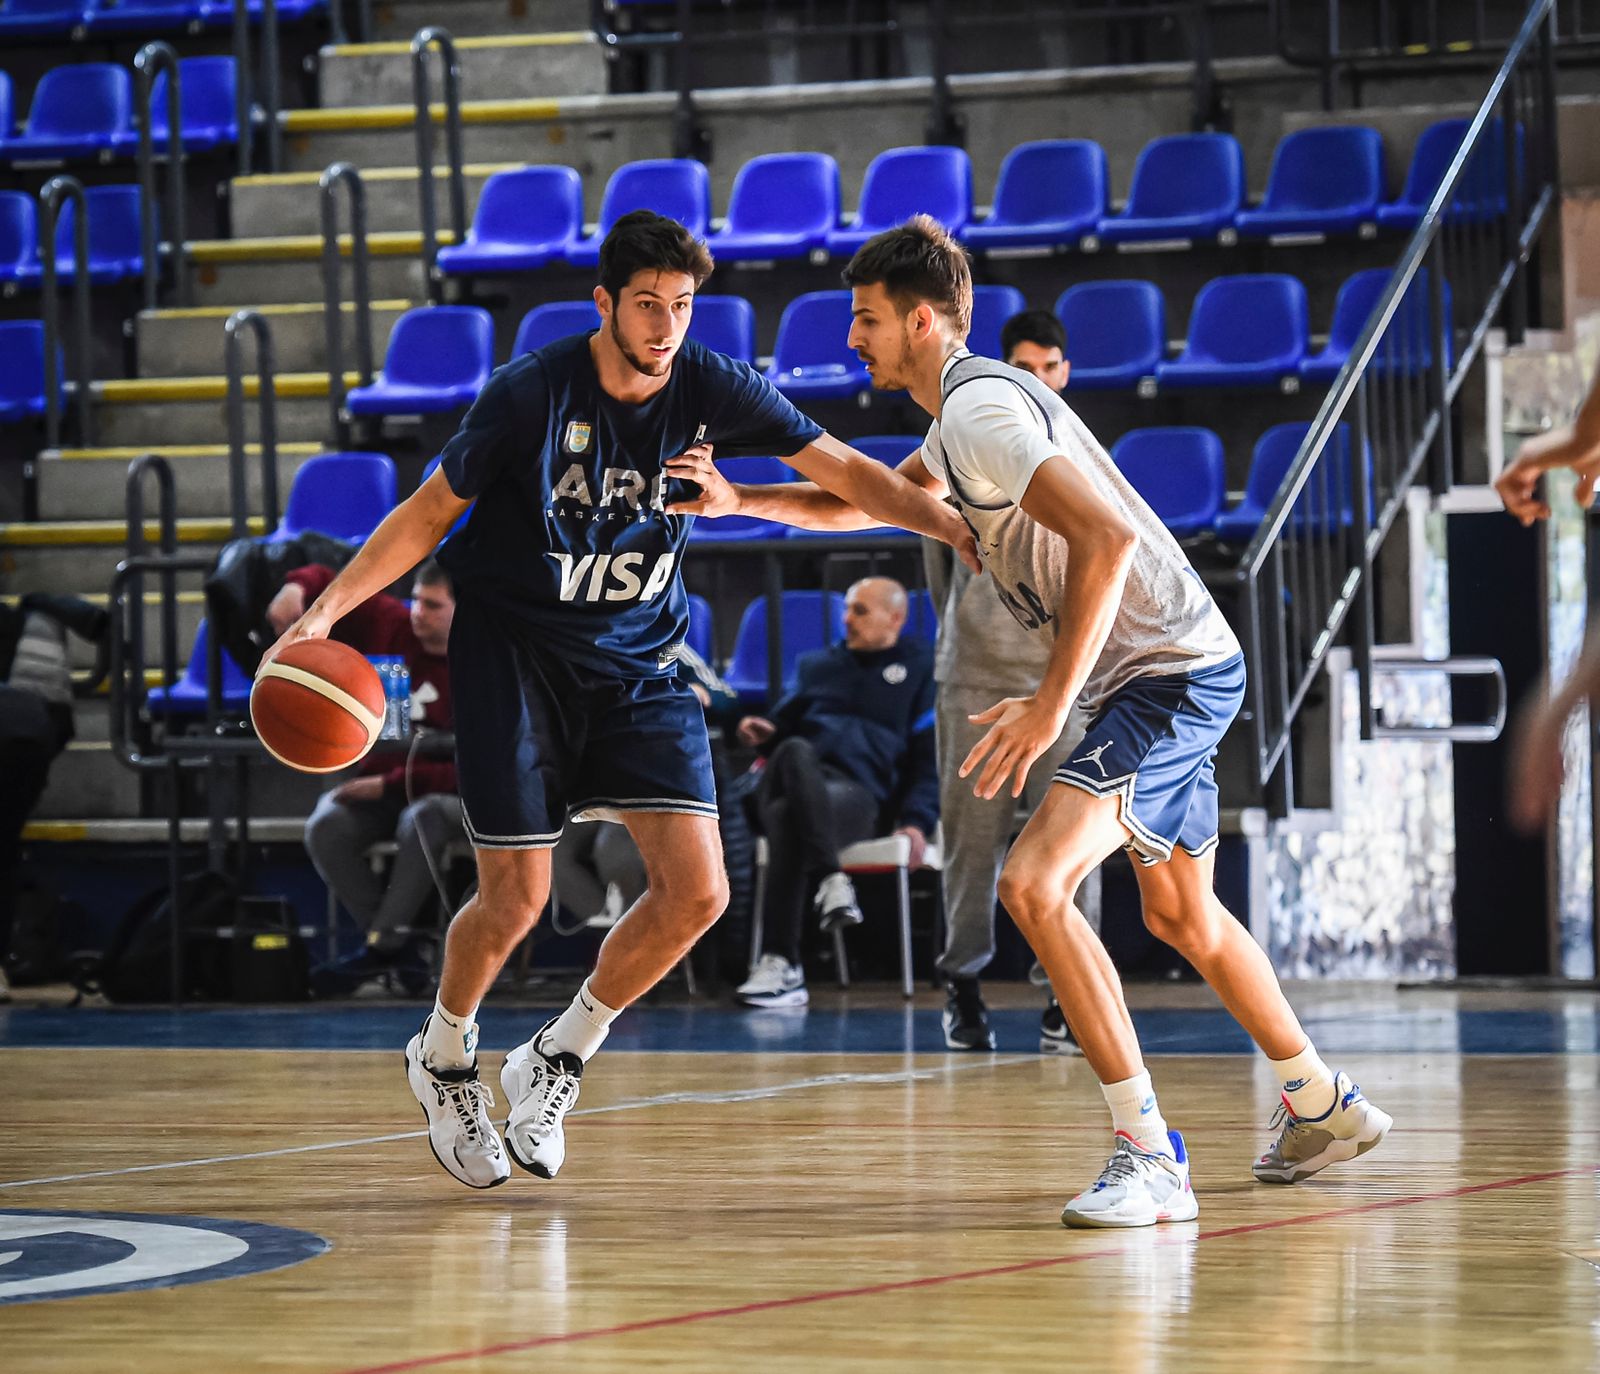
(567,533)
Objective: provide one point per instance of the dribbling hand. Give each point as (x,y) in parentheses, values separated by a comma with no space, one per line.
(309,626)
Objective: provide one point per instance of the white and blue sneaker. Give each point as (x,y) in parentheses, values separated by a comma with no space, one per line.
(456,1103)
(540,1090)
(1307,1144)
(1138,1187)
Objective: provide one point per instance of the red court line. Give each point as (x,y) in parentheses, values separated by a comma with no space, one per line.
(936,1280)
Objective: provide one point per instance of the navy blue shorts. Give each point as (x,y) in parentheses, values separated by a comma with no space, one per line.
(1151,745)
(540,740)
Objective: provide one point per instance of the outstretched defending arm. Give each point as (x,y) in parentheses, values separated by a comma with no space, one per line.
(1575,446)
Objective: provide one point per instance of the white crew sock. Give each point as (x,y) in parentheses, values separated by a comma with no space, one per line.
(1307,1082)
(581,1029)
(1134,1113)
(450,1039)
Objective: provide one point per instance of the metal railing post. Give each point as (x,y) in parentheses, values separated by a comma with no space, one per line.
(435,37)
(244,87)
(238,482)
(152,59)
(55,191)
(246,82)
(347,174)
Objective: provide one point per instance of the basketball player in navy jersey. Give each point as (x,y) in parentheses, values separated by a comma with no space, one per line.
(569,613)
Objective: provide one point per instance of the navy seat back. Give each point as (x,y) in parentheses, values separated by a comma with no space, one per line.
(115,247)
(40,17)
(1248,319)
(554,320)
(1335,168)
(1187,174)
(992,306)
(440,346)
(1179,471)
(1327,500)
(902,182)
(188,694)
(91,101)
(1051,181)
(785,193)
(206,90)
(725,324)
(529,205)
(21,368)
(679,188)
(751,472)
(812,338)
(810,620)
(1116,331)
(345,495)
(19,235)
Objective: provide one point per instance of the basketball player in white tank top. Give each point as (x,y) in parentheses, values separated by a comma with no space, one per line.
(1139,643)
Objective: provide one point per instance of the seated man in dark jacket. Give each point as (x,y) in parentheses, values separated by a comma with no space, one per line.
(851,748)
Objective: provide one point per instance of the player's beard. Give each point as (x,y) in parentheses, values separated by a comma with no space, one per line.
(649,367)
(898,377)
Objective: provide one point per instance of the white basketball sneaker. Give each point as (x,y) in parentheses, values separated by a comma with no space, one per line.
(1137,1187)
(460,1134)
(1306,1144)
(540,1090)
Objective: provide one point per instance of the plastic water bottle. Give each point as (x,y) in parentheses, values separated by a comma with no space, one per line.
(396,679)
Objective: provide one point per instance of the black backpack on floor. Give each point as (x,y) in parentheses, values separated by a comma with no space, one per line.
(137,963)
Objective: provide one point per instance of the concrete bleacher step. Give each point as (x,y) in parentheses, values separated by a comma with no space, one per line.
(400,19)
(186,341)
(289,203)
(493,66)
(287,269)
(88,483)
(87,780)
(80,556)
(191,607)
(193,410)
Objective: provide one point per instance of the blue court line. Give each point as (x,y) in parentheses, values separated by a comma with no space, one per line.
(723,1029)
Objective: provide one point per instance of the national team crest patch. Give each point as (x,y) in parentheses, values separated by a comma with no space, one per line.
(578,434)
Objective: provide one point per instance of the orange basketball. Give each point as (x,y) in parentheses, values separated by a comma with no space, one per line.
(318,706)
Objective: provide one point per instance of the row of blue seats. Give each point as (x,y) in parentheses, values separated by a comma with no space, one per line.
(116,251)
(1050,193)
(87,111)
(98,18)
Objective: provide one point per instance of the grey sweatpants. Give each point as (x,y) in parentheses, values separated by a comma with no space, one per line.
(338,835)
(978,833)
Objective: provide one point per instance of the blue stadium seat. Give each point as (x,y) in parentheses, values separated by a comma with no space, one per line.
(811,357)
(1323,496)
(1185,186)
(1243,331)
(19,238)
(21,370)
(752,472)
(1178,471)
(678,187)
(524,220)
(1049,193)
(1408,345)
(438,359)
(889,449)
(1116,332)
(187,696)
(39,19)
(992,306)
(206,91)
(921,620)
(289,11)
(7,103)
(77,111)
(1482,194)
(810,620)
(345,495)
(782,206)
(725,324)
(702,629)
(1323,181)
(902,182)
(143,16)
(555,320)
(116,251)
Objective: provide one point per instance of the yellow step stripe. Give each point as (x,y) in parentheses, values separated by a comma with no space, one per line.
(104,598)
(292,386)
(402,47)
(55,832)
(405,116)
(471,169)
(298,449)
(398,243)
(222,312)
(44,534)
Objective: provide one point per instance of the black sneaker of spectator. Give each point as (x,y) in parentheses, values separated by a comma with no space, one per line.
(966,1019)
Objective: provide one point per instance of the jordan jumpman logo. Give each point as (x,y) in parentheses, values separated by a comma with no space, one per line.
(1093,756)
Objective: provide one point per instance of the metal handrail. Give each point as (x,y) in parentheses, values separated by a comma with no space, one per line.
(348,175)
(138,547)
(267,398)
(244,101)
(435,37)
(1300,581)
(149,62)
(50,197)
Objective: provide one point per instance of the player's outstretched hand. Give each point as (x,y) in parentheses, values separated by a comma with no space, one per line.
(717,494)
(1020,730)
(1518,489)
(309,626)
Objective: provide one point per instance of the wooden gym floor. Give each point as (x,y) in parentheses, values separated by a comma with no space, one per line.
(773,1191)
